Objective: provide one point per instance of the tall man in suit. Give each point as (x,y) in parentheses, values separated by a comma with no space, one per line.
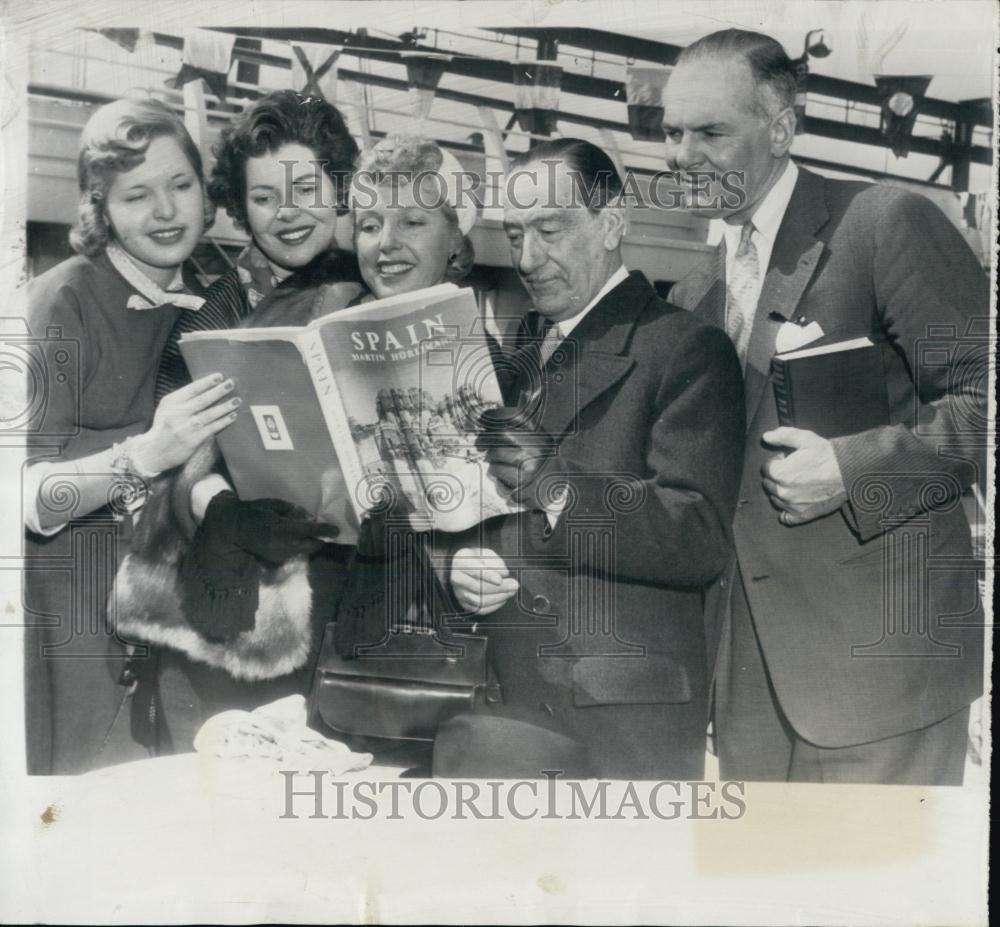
(628,464)
(850,632)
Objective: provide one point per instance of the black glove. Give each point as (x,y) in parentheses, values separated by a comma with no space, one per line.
(519,456)
(220,572)
(271,529)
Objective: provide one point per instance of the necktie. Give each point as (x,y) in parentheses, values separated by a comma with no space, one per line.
(550,341)
(741,293)
(538,339)
(536,336)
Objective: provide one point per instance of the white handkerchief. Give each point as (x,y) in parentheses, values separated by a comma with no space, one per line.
(276,731)
(792,336)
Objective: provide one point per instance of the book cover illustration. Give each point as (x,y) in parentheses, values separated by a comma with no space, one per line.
(366,407)
(413,385)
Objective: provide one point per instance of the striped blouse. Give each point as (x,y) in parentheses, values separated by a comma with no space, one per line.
(226,305)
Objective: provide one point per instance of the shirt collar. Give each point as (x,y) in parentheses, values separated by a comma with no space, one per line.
(769,212)
(151,294)
(567,325)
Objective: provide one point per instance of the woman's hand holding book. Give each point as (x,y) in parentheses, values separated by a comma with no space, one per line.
(184,420)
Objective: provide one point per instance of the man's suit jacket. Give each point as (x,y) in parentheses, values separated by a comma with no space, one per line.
(605,638)
(869,617)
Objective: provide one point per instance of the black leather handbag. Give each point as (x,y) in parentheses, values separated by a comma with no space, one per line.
(404,688)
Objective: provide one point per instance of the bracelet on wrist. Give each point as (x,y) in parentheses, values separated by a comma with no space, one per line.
(123,460)
(130,484)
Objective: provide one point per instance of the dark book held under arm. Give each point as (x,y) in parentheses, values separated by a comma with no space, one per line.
(833,389)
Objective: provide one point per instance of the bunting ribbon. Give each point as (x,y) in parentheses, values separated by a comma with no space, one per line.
(314,69)
(644,98)
(207,56)
(124,38)
(900,98)
(423,74)
(975,210)
(536,95)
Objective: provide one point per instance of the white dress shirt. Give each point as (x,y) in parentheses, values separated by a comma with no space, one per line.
(566,326)
(766,222)
(564,329)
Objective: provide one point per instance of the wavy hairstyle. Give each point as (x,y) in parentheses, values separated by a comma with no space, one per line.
(772,71)
(280,118)
(594,174)
(411,156)
(115,140)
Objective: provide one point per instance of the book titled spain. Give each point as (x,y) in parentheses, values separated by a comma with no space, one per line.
(363,406)
(832,389)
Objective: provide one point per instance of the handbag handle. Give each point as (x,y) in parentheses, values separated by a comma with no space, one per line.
(433,559)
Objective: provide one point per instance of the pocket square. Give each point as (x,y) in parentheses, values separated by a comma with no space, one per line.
(792,336)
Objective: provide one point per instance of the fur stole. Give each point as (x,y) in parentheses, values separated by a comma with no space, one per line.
(146,604)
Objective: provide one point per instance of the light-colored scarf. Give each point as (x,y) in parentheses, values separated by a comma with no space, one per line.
(255,274)
(152,294)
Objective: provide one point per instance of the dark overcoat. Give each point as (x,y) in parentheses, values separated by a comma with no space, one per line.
(605,639)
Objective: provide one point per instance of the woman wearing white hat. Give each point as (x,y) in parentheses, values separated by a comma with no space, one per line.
(412,211)
(412,216)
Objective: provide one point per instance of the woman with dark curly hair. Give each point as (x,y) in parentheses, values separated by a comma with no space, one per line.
(232,593)
(281,174)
